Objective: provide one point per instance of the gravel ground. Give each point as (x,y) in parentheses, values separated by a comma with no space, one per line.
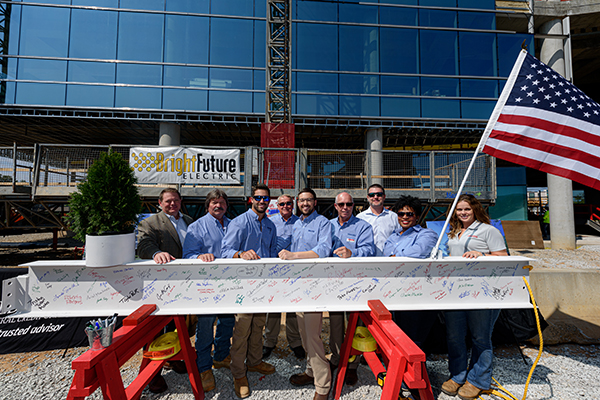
(564,372)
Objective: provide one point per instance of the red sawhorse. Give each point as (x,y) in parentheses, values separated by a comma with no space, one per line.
(100,368)
(404,359)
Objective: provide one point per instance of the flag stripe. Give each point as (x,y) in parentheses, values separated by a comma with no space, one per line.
(560,132)
(592,181)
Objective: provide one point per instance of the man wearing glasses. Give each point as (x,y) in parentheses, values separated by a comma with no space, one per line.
(383,221)
(352,237)
(250,236)
(311,238)
(284,222)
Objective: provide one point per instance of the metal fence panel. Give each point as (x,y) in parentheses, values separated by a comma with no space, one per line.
(405,171)
(450,170)
(336,169)
(24,167)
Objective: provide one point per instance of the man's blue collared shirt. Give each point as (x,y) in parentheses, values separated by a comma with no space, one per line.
(284,231)
(246,232)
(384,225)
(312,233)
(416,242)
(205,236)
(356,235)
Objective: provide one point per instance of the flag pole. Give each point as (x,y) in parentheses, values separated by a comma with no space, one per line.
(486,133)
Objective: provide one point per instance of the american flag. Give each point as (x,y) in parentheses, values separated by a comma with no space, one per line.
(543,121)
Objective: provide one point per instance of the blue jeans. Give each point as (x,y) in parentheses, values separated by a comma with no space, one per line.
(204,339)
(480,324)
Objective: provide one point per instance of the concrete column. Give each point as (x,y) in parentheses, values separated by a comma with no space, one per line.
(560,190)
(374,142)
(169,134)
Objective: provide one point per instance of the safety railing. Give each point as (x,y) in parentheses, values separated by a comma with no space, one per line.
(55,170)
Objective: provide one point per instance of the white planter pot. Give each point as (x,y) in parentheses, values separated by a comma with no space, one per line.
(109,250)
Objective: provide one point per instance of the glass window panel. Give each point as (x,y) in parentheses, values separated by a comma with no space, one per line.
(434,108)
(140,36)
(437,18)
(81,71)
(259,102)
(47,32)
(359,48)
(509,47)
(15,26)
(439,52)
(406,2)
(441,87)
(186,76)
(360,84)
(478,54)
(46,94)
(259,80)
(478,88)
(398,16)
(185,39)
(97,3)
(316,10)
(156,5)
(260,44)
(181,99)
(230,101)
(358,13)
(315,82)
(231,42)
(439,3)
(42,70)
(400,85)
(476,20)
(50,1)
(400,107)
(230,78)
(481,4)
(97,27)
(398,50)
(134,97)
(317,46)
(135,74)
(359,106)
(233,7)
(316,105)
(477,109)
(90,96)
(8,96)
(191,6)
(260,9)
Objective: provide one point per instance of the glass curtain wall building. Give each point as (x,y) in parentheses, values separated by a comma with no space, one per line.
(394,59)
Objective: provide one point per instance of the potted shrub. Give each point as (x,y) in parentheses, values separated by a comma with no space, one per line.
(104,211)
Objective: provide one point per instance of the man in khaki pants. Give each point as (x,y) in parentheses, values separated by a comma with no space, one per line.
(311,238)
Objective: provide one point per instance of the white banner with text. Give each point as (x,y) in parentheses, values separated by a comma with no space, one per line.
(185,165)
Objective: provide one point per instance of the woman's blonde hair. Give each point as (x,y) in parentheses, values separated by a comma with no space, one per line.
(478,212)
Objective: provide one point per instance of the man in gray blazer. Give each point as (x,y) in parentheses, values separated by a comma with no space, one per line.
(161,236)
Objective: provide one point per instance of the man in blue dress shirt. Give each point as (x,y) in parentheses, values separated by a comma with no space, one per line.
(352,237)
(284,222)
(250,236)
(311,238)
(203,241)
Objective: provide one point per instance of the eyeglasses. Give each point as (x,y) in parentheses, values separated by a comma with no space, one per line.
(287,203)
(379,194)
(408,214)
(263,198)
(309,200)
(345,204)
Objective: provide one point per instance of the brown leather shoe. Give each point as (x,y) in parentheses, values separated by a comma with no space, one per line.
(320,396)
(469,392)
(450,387)
(302,380)
(158,384)
(241,387)
(208,380)
(351,377)
(263,368)
(222,364)
(177,366)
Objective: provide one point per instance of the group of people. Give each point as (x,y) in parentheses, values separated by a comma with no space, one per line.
(377,231)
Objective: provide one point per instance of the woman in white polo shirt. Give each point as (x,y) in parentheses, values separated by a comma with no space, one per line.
(471,236)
